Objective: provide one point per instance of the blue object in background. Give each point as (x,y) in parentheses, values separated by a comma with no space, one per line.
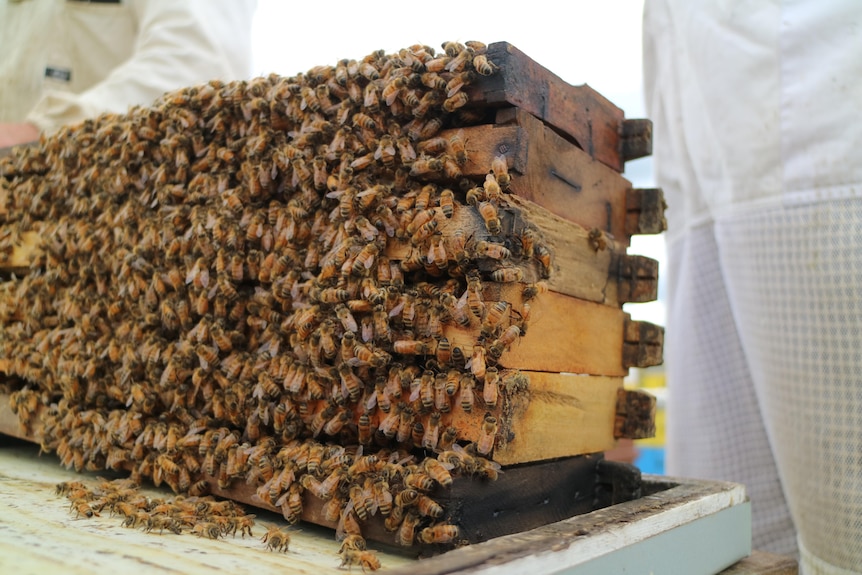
(650,459)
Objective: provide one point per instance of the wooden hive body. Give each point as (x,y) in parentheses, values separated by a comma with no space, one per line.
(565,147)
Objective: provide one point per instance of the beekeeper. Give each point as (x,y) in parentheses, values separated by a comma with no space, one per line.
(62,61)
(758,147)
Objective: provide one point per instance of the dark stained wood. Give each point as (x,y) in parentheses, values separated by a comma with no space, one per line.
(637,278)
(617,482)
(584,115)
(660,498)
(635,139)
(635,414)
(645,209)
(564,179)
(642,344)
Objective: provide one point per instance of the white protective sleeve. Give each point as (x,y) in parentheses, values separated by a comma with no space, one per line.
(162,45)
(758,148)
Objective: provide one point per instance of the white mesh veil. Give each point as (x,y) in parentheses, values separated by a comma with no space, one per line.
(758,146)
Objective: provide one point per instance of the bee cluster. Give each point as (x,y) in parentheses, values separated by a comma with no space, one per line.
(217,297)
(203,516)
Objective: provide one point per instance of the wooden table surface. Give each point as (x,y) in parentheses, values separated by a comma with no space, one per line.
(39,535)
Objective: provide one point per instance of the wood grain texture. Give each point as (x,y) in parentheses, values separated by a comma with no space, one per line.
(39,535)
(671,502)
(550,171)
(583,114)
(529,419)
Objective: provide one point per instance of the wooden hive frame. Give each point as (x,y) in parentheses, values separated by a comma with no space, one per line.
(565,147)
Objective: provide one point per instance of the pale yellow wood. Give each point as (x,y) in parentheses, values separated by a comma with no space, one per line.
(529,419)
(561,415)
(39,535)
(24,252)
(564,334)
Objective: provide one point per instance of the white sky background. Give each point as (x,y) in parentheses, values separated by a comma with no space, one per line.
(590,42)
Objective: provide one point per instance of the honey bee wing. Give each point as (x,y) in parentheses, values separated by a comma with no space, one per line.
(340,533)
(370,404)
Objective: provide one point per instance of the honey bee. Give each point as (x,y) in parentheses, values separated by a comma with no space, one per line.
(365,559)
(82,508)
(467,397)
(492,250)
(276,539)
(410,347)
(406,418)
(489,215)
(507,275)
(597,240)
(351,383)
(425,165)
(487,436)
(291,504)
(243,523)
(543,255)
(500,172)
(419,481)
(430,129)
(507,338)
(337,423)
(441,533)
(484,66)
(199,488)
(428,507)
(365,259)
(406,151)
(207,529)
(362,120)
(352,542)
(407,529)
(393,88)
(455,102)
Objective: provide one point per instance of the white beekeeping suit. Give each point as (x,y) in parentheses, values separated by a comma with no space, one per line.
(757,111)
(62,61)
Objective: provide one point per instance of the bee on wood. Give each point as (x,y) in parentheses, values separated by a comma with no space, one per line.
(276,539)
(437,471)
(507,275)
(487,436)
(490,388)
(483,65)
(441,533)
(207,529)
(506,339)
(407,529)
(364,559)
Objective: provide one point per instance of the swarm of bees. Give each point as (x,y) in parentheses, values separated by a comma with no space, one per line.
(202,516)
(218,297)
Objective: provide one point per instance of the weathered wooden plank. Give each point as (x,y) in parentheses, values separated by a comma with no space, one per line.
(579,111)
(667,505)
(645,209)
(635,414)
(40,535)
(551,172)
(529,416)
(572,335)
(635,139)
(643,343)
(560,415)
(637,278)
